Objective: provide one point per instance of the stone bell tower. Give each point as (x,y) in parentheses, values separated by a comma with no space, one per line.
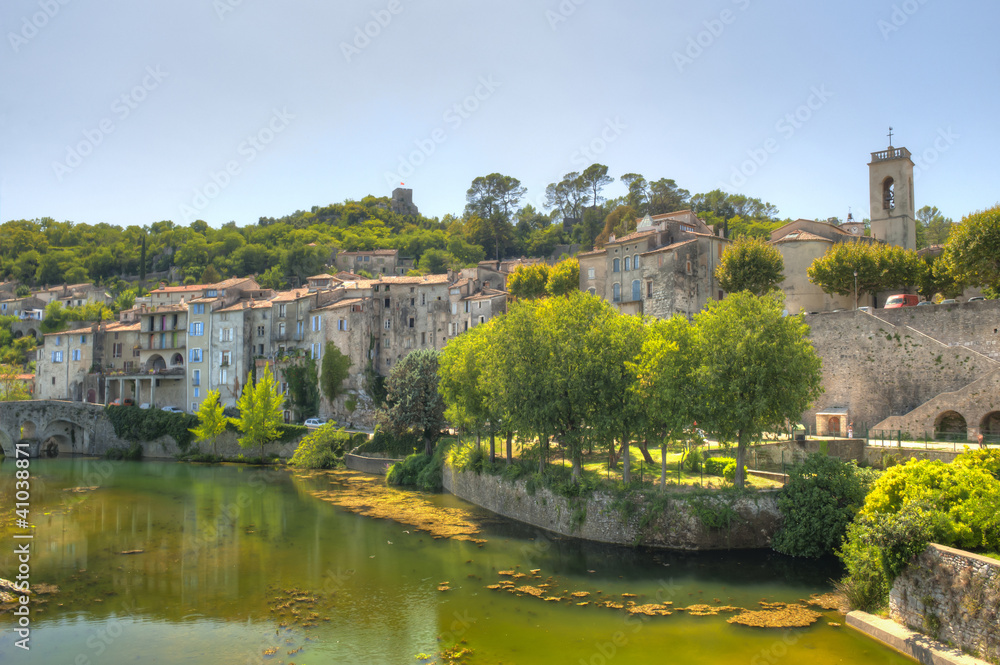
(890,183)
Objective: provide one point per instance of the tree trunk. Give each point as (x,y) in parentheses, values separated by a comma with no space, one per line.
(427,446)
(479,440)
(493,446)
(626,462)
(510,447)
(644,448)
(543,449)
(577,465)
(741,452)
(663,466)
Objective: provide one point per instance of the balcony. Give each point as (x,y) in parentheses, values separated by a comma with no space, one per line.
(895,153)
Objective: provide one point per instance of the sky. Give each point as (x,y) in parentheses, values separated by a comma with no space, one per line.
(131,112)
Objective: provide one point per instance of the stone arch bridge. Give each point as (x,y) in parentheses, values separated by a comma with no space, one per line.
(53,427)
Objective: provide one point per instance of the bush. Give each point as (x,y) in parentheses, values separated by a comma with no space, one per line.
(692,460)
(468,457)
(821,498)
(716,466)
(144,425)
(323,449)
(729,473)
(385,443)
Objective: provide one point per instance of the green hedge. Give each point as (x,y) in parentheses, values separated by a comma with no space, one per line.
(716,466)
(143,425)
(385,443)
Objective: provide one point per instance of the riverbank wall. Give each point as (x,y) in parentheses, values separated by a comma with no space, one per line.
(953,596)
(683,521)
(773,455)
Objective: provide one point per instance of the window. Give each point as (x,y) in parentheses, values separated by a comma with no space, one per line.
(194,407)
(636,290)
(116,350)
(58,340)
(260,331)
(197,392)
(592,291)
(83,339)
(260,349)
(197,329)
(281,329)
(616,293)
(225,334)
(482,319)
(196,378)
(466,306)
(76,354)
(635,262)
(687,267)
(342,324)
(223,376)
(317,323)
(388,324)
(423,298)
(225,358)
(385,302)
(57,356)
(411,321)
(423,339)
(199,309)
(300,326)
(454,308)
(649,289)
(591,273)
(281,311)
(628,263)
(194,355)
(616,266)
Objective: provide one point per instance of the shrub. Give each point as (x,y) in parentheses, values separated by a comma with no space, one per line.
(729,473)
(144,425)
(822,496)
(468,458)
(692,460)
(416,470)
(386,443)
(715,466)
(323,448)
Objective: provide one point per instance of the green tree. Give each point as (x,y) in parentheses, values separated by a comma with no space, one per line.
(932,227)
(568,197)
(55,318)
(260,410)
(564,278)
(303,388)
(494,199)
(595,178)
(211,420)
(11,387)
(758,369)
(972,254)
(528,281)
(334,370)
(879,267)
(460,380)
(210,275)
(821,498)
(750,264)
(413,402)
(435,262)
(619,222)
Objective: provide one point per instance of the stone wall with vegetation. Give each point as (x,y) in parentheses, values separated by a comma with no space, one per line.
(953,596)
(683,521)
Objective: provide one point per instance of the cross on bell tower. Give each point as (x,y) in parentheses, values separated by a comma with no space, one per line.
(890,136)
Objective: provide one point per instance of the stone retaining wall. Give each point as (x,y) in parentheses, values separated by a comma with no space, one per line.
(951,595)
(374,465)
(678,527)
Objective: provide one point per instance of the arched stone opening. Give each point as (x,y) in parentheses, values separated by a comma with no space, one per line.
(28,430)
(177,360)
(888,194)
(989,427)
(62,437)
(950,424)
(6,444)
(155,363)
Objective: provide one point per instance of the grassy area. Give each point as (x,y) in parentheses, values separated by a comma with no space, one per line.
(595,465)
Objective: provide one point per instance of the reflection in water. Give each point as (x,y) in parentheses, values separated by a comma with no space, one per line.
(180,563)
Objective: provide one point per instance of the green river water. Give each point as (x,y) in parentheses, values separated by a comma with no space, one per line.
(225,550)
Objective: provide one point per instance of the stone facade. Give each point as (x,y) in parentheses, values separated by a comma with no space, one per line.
(677,528)
(888,364)
(951,595)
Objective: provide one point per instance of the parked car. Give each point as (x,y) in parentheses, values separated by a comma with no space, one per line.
(902,300)
(315,422)
(924,303)
(172,409)
(948,301)
(128,401)
(868,309)
(145,405)
(976,299)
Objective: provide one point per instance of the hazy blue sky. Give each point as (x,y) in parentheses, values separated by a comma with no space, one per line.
(133,112)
